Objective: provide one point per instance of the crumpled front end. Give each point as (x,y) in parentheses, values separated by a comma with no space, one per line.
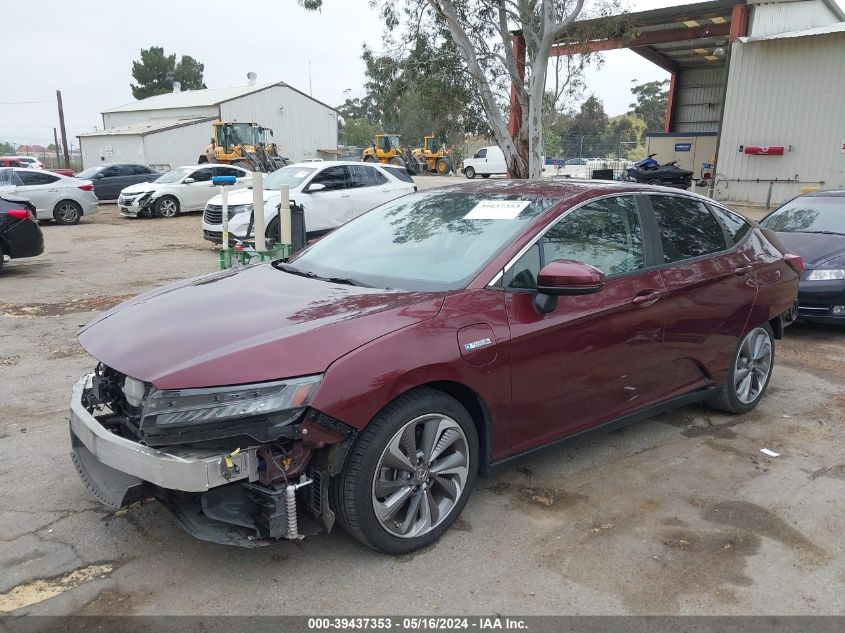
(236,465)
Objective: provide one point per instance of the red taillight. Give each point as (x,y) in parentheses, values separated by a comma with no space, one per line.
(87,187)
(20,214)
(795,262)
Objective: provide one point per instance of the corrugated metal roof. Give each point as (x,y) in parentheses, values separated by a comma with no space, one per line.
(192,98)
(839,27)
(148,127)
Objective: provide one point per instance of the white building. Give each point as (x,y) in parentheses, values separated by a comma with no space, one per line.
(757,86)
(172,129)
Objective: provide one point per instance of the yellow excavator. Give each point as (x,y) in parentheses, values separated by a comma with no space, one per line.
(434,157)
(246,145)
(387,148)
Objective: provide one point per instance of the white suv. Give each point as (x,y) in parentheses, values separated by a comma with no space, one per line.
(331,193)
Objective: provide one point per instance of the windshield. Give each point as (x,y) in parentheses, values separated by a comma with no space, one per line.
(175,175)
(423,241)
(87,173)
(809,215)
(292,176)
(237,134)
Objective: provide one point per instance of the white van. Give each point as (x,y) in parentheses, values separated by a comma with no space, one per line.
(486,161)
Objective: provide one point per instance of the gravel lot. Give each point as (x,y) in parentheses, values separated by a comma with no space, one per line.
(678,515)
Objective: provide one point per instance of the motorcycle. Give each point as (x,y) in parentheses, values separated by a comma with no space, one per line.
(650,172)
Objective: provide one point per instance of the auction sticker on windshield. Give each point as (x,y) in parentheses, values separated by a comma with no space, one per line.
(497,210)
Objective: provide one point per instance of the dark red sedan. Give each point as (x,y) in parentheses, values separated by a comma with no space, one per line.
(371,378)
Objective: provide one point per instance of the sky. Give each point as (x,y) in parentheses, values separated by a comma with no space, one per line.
(87,54)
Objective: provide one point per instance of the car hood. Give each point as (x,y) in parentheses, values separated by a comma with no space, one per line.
(815,248)
(244,196)
(139,187)
(251,325)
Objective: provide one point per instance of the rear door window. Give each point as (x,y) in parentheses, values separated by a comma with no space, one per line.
(137,170)
(36,178)
(687,228)
(364,176)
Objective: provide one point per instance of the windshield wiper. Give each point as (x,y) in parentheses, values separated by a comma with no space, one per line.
(312,275)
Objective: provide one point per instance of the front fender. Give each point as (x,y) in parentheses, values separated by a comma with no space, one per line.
(361,383)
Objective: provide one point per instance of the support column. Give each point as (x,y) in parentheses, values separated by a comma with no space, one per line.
(670,102)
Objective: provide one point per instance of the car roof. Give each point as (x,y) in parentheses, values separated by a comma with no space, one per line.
(564,188)
(826,193)
(321,164)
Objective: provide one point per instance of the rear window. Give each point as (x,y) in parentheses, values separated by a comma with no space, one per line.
(687,228)
(399,172)
(36,178)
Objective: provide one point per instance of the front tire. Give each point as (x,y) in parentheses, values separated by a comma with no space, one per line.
(398,162)
(410,473)
(67,212)
(167,207)
(469,172)
(749,373)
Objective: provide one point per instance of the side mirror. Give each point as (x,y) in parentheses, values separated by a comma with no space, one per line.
(317,186)
(564,277)
(188,181)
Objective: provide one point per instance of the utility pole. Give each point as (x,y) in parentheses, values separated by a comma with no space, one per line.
(56,145)
(64,132)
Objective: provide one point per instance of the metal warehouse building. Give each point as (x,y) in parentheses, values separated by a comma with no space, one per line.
(757,85)
(172,129)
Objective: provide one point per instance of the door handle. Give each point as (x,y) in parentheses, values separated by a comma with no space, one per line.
(647,298)
(344,195)
(742,270)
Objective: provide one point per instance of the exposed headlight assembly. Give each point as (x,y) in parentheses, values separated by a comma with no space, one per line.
(826,275)
(181,407)
(240,208)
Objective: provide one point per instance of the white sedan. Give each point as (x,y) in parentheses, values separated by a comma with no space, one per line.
(331,193)
(55,197)
(179,190)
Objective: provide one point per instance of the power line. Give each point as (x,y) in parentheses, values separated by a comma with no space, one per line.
(22,102)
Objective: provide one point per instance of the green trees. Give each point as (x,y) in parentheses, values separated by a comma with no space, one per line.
(156,72)
(650,103)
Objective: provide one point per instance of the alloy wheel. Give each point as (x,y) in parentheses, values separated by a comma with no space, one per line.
(167,208)
(753,365)
(420,476)
(68,212)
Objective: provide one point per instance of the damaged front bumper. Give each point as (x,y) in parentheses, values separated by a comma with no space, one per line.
(215,496)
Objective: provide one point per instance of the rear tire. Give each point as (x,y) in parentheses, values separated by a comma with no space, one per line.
(417,498)
(398,162)
(469,172)
(485,175)
(67,212)
(370,159)
(749,373)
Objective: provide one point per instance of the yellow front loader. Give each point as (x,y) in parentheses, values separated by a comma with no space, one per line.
(387,148)
(433,157)
(246,145)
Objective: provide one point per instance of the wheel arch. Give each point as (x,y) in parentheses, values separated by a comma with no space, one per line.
(60,200)
(478,411)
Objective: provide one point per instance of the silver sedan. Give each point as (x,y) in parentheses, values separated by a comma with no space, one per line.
(55,197)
